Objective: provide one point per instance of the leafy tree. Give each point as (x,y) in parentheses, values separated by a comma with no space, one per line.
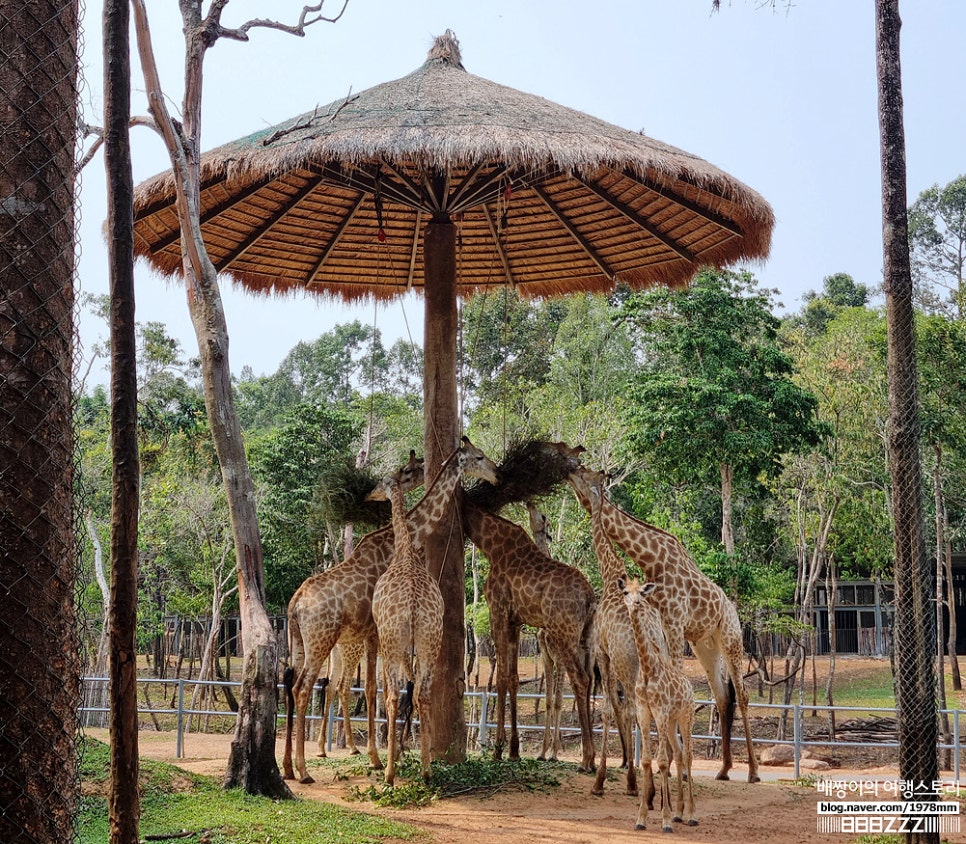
(941,346)
(288,463)
(937,237)
(714,397)
(838,291)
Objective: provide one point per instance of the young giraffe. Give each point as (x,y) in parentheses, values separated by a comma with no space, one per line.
(692,607)
(336,605)
(664,692)
(526,586)
(552,668)
(407,606)
(616,650)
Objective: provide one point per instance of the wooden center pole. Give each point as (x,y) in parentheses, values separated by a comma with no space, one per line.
(441,432)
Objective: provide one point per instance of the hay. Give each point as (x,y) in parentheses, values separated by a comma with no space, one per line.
(530,471)
(342,495)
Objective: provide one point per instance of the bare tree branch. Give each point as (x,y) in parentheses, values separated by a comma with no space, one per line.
(86,130)
(309,15)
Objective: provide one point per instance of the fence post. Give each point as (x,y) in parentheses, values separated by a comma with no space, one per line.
(179,741)
(797,738)
(956,747)
(329,716)
(484,701)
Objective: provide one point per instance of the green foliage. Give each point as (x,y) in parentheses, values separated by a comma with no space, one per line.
(288,463)
(716,387)
(838,291)
(479,618)
(937,240)
(173,800)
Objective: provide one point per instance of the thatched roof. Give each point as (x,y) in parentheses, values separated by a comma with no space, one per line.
(546,198)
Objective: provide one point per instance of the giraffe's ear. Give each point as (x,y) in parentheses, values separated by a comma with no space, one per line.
(648,587)
(621,584)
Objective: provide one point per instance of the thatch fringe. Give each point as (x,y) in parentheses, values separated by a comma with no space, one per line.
(331,165)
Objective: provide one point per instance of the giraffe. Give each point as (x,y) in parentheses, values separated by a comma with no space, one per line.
(616,650)
(664,692)
(527,586)
(336,605)
(692,607)
(343,662)
(552,668)
(407,607)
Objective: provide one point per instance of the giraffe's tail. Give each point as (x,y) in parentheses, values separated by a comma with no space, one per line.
(728,716)
(288,680)
(406,708)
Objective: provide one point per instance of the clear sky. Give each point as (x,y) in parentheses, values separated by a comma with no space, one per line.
(784,100)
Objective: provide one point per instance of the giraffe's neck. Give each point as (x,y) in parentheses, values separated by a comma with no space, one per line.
(427,513)
(400,526)
(634,536)
(492,534)
(611,566)
(652,644)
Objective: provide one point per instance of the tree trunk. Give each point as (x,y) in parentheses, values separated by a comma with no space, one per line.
(832,588)
(914,629)
(95,696)
(124,801)
(252,764)
(39,674)
(444,548)
(944,552)
(727,491)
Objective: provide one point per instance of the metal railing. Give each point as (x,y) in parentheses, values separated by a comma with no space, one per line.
(180,715)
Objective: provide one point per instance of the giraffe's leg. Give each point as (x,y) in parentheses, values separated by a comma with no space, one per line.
(664,728)
(687,727)
(326,702)
(679,770)
(501,642)
(733,650)
(345,701)
(513,687)
(625,727)
(644,725)
(289,680)
(712,660)
(296,661)
(598,786)
(304,686)
(577,671)
(390,690)
(550,732)
(557,709)
(424,699)
(372,684)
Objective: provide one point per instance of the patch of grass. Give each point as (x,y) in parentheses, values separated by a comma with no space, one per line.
(479,774)
(867,690)
(173,800)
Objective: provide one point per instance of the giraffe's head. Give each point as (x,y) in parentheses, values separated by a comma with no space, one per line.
(562,451)
(588,483)
(473,462)
(408,476)
(539,526)
(638,597)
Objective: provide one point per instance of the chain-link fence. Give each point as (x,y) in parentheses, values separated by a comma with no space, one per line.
(38,651)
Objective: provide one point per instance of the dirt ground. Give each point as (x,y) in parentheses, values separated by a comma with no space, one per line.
(773,811)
